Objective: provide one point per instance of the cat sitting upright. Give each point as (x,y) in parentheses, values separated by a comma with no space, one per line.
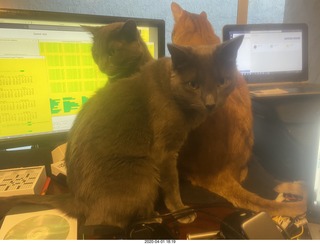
(216,154)
(124,142)
(118,49)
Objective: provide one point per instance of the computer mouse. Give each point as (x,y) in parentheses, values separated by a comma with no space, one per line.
(230,227)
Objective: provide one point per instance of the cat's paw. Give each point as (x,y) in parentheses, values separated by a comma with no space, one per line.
(185,216)
(296,188)
(156,218)
(187,219)
(153,218)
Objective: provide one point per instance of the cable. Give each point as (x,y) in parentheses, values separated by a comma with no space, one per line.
(176,215)
(285,227)
(298,235)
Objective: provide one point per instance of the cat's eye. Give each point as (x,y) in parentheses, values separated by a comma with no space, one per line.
(111,52)
(226,80)
(194,84)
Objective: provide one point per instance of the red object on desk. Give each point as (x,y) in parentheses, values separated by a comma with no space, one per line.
(45,186)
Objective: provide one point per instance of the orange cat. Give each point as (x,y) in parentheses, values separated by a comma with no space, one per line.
(216,155)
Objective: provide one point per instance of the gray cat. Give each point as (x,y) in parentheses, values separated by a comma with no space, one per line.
(118,49)
(124,142)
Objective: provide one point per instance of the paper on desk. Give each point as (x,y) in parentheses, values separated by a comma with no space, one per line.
(271,91)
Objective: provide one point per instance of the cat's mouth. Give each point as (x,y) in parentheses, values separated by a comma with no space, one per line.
(110,70)
(211,108)
(117,71)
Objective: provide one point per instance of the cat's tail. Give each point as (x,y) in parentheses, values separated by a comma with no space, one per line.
(65,202)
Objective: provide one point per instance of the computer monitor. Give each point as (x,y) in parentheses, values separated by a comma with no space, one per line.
(47,71)
(274,52)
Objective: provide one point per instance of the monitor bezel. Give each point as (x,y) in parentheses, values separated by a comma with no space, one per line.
(52,138)
(85,18)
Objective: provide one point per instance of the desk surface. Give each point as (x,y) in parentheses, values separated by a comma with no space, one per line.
(210,210)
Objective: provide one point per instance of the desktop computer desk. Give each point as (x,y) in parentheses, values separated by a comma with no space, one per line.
(210,209)
(213,212)
(286,134)
(213,215)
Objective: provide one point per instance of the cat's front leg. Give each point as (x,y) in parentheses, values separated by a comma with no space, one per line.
(169,183)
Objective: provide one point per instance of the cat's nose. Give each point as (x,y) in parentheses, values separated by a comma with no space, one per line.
(210,107)
(210,102)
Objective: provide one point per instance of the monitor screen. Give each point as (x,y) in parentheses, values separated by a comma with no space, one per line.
(271,52)
(47,71)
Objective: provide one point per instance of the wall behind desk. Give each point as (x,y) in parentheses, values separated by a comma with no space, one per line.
(220,12)
(307,11)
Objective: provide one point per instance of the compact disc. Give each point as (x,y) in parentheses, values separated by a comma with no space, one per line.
(42,227)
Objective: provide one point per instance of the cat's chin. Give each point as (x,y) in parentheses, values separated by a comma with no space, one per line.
(214,111)
(199,121)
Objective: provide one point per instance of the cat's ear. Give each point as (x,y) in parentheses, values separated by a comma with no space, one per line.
(203,15)
(129,31)
(92,29)
(228,51)
(177,11)
(180,55)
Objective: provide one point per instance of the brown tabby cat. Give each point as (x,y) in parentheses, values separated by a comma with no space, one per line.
(216,154)
(124,142)
(118,49)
